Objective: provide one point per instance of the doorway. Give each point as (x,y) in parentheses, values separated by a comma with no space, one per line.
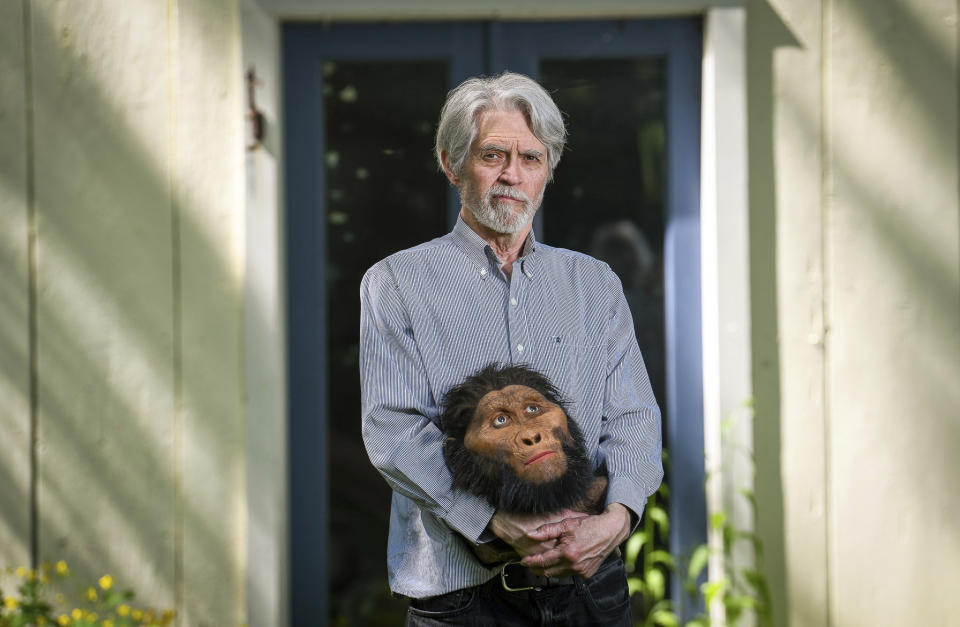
(362,102)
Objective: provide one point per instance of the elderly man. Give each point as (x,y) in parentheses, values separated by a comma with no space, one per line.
(489,292)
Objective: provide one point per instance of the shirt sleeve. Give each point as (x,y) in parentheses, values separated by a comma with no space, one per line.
(630,439)
(399,409)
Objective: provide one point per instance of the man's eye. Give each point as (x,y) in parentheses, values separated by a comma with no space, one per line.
(499,421)
(532,409)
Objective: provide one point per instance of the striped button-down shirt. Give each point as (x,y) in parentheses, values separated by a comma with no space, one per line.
(434,314)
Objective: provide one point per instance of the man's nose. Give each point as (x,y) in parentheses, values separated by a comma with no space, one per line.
(510,175)
(530,436)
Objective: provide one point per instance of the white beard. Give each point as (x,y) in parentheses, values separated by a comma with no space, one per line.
(500,216)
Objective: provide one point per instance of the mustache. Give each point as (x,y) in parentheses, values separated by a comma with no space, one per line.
(509,192)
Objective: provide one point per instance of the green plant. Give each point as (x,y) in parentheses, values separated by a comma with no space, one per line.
(649,565)
(742,591)
(40,601)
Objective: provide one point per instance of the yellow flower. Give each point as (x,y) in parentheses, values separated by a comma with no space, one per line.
(167,617)
(63,620)
(41,620)
(21,572)
(123,610)
(77,613)
(106,582)
(92,593)
(108,623)
(92,617)
(137,615)
(10,603)
(62,568)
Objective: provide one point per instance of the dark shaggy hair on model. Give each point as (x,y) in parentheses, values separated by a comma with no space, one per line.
(494,479)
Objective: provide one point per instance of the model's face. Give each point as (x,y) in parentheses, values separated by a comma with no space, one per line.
(523,429)
(505,174)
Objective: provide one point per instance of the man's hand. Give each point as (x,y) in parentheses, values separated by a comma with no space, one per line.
(582,543)
(516,529)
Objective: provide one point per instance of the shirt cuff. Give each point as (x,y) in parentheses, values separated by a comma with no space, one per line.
(630,495)
(469,516)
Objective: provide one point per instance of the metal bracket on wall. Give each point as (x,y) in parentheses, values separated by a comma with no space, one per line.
(255,121)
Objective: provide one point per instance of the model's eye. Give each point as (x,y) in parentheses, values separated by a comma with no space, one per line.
(499,421)
(532,409)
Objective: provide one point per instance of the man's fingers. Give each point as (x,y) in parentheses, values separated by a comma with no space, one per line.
(554,530)
(543,560)
(546,532)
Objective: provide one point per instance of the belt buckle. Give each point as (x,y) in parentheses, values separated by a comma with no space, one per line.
(503,579)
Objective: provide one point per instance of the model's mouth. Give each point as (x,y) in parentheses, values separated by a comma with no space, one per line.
(538,457)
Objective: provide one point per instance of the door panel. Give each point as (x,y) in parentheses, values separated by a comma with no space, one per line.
(627,191)
(361,105)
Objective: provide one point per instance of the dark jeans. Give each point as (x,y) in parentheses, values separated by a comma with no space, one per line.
(601,600)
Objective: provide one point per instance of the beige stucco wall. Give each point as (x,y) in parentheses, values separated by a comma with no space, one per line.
(136,199)
(855,238)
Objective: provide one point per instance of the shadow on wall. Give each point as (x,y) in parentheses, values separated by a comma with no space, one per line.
(767,33)
(902,44)
(137,312)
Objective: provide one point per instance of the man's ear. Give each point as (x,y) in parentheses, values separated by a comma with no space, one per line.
(453,178)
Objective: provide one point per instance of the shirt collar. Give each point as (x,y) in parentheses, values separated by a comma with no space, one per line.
(480,252)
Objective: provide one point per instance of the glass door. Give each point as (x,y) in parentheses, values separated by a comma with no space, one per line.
(361,109)
(361,106)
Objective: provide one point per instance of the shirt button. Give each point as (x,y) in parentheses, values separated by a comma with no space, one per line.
(519,348)
(483,272)
(513,301)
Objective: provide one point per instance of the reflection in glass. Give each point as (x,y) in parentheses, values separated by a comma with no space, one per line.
(607,198)
(383,193)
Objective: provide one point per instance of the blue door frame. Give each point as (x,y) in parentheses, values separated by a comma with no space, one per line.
(473,48)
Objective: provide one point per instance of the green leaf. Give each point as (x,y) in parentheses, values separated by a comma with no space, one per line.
(718,519)
(698,561)
(634,544)
(663,490)
(661,557)
(656,584)
(659,515)
(759,583)
(699,621)
(753,539)
(751,497)
(666,618)
(635,585)
(711,589)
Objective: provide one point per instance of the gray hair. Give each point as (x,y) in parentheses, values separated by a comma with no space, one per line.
(506,92)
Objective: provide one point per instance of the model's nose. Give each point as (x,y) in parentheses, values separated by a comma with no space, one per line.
(530,436)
